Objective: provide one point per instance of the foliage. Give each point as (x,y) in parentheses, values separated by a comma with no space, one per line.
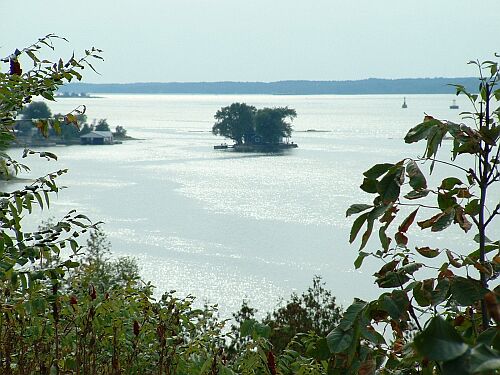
(65,311)
(36,110)
(243,123)
(456,304)
(98,270)
(235,122)
(313,312)
(86,129)
(271,124)
(102,125)
(120,132)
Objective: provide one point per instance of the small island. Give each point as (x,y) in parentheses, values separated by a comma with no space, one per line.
(78,95)
(255,130)
(39,127)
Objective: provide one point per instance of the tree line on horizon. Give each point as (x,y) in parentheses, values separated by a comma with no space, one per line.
(401,86)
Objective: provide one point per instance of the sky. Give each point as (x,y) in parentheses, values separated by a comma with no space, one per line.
(261,40)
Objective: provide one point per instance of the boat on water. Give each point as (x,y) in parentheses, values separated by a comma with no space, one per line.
(404,103)
(454,105)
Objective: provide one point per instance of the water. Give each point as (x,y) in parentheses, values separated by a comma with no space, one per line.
(224,226)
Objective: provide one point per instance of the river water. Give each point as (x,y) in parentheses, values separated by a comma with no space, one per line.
(225,226)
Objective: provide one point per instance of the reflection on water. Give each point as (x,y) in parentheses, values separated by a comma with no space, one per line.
(225,226)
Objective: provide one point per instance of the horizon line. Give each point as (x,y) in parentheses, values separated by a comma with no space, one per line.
(268,82)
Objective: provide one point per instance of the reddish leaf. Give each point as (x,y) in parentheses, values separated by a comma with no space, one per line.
(493,306)
(429,222)
(454,262)
(401,239)
(445,274)
(407,222)
(461,219)
(387,268)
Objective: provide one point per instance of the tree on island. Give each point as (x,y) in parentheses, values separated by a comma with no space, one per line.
(271,124)
(36,110)
(102,126)
(243,123)
(120,132)
(235,122)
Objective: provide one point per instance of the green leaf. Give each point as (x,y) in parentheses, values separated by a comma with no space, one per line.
(351,314)
(369,333)
(392,280)
(377,170)
(261,330)
(439,341)
(443,221)
(417,179)
(427,252)
(369,186)
(467,291)
(410,268)
(396,303)
(446,201)
(440,293)
(319,351)
(449,183)
(488,337)
(384,240)
(473,207)
(368,232)
(421,131)
(357,208)
(356,226)
(339,340)
(484,358)
(246,327)
(359,260)
(389,186)
(417,194)
(422,292)
(38,198)
(458,366)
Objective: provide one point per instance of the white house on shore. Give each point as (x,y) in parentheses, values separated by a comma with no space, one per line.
(97,138)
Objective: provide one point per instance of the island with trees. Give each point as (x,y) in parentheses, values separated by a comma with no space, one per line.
(39,127)
(252,129)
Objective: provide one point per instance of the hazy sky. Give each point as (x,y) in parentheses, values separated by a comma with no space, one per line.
(262,40)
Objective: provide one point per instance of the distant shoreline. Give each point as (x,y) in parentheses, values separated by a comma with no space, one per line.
(372,86)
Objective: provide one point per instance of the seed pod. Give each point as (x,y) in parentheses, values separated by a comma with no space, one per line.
(137,328)
(271,363)
(92,292)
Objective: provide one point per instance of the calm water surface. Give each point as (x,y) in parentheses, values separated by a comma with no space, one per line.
(224,226)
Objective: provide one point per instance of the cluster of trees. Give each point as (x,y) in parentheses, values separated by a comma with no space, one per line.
(66,308)
(68,128)
(243,123)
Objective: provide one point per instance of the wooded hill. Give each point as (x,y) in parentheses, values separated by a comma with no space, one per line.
(360,87)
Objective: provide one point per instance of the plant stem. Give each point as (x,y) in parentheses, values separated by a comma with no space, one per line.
(483,184)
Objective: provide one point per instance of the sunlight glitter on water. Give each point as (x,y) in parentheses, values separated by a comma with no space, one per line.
(226,226)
